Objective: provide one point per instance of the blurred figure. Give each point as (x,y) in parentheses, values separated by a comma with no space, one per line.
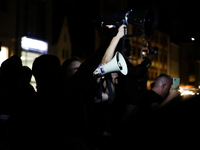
(17,106)
(155,111)
(70,66)
(27,88)
(105,95)
(47,72)
(10,99)
(80,88)
(49,104)
(11,71)
(131,87)
(160,95)
(153,120)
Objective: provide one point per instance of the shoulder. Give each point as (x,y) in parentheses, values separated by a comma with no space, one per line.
(150,97)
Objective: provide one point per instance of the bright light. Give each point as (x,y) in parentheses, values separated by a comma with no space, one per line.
(187,93)
(30,44)
(110,26)
(193,39)
(23,58)
(3,54)
(185,90)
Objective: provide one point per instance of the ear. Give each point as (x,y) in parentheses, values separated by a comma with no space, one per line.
(163,85)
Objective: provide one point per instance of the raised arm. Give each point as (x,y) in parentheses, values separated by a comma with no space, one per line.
(173,93)
(113,44)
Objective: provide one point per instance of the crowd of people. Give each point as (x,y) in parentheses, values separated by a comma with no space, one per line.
(75,109)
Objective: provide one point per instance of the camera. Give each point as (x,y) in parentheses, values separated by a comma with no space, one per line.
(146,19)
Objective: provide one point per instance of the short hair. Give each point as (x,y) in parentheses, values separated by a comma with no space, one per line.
(161,76)
(43,63)
(11,67)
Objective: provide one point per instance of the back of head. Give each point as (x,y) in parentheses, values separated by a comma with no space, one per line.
(26,74)
(163,77)
(11,68)
(162,85)
(47,70)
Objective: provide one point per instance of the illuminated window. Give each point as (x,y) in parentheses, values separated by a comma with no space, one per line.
(3,54)
(27,60)
(35,45)
(192,78)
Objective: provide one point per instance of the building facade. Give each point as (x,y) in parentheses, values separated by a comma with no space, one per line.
(166,61)
(8,26)
(190,63)
(34,20)
(62,48)
(32,28)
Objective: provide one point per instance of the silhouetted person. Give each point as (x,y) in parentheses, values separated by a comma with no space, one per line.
(17,123)
(152,122)
(78,89)
(27,88)
(47,72)
(48,102)
(158,97)
(11,70)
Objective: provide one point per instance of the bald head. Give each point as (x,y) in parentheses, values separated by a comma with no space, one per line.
(162,85)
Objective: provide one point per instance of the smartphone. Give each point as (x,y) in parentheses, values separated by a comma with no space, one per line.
(176,82)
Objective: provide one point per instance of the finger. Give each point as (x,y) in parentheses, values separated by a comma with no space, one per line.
(176,87)
(122,26)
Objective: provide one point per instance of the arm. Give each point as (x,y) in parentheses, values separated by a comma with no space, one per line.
(90,64)
(113,44)
(173,93)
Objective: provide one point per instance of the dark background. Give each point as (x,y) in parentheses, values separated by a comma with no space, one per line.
(179,19)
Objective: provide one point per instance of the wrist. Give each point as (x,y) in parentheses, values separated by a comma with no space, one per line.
(118,37)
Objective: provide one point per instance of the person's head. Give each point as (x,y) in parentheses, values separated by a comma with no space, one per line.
(11,69)
(162,85)
(70,66)
(47,71)
(26,74)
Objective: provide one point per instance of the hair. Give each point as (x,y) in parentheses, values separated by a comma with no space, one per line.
(161,76)
(11,67)
(26,74)
(42,64)
(67,63)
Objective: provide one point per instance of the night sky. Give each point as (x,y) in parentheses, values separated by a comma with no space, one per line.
(179,19)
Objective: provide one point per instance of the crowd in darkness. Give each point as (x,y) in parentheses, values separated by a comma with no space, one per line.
(77,110)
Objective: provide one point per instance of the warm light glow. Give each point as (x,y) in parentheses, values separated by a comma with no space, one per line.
(193,39)
(187,93)
(23,58)
(3,54)
(30,44)
(187,90)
